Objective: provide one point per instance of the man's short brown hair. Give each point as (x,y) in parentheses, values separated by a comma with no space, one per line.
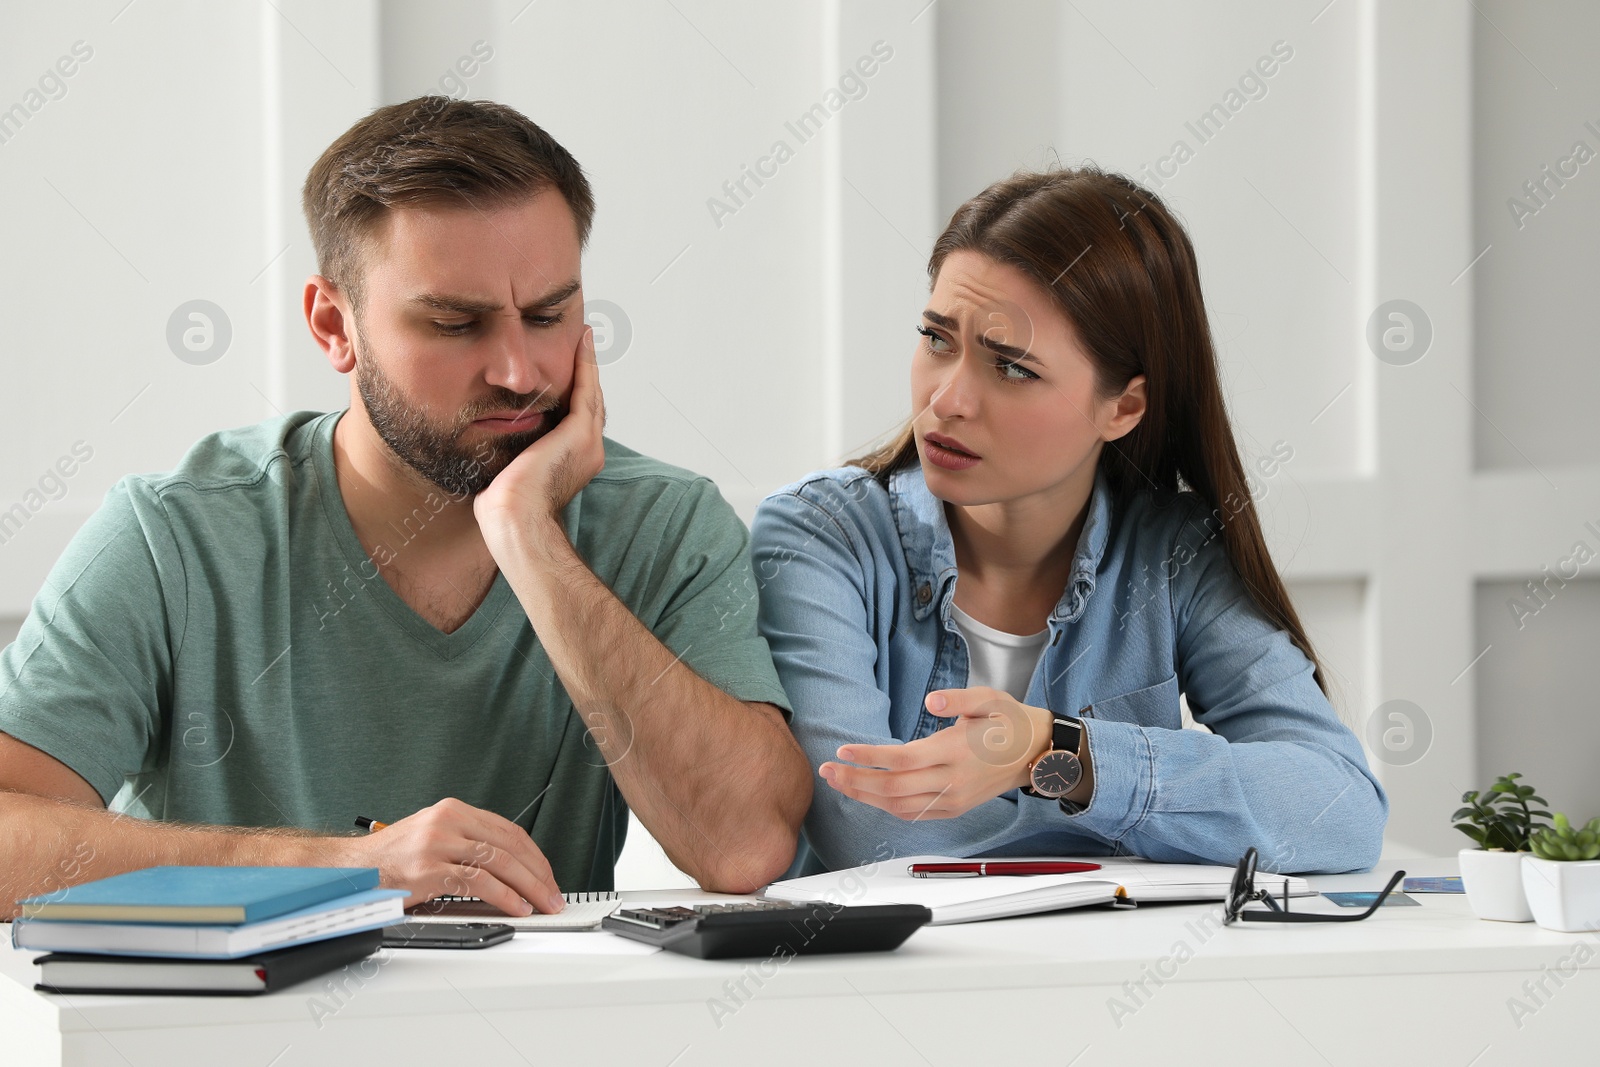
(431,150)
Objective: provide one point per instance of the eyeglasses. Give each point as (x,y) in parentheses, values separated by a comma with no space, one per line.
(1244,890)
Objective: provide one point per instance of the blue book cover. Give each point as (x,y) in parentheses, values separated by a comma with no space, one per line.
(221,895)
(343,915)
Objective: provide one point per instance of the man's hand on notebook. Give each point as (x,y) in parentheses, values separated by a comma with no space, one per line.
(454,849)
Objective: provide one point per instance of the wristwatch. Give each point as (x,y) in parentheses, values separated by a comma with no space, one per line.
(1058,772)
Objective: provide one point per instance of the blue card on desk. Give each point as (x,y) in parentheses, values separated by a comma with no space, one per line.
(1450,884)
(1364,900)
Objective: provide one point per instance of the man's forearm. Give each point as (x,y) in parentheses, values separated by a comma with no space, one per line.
(723,787)
(49,844)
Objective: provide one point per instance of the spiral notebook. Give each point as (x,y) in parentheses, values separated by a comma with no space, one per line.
(583,912)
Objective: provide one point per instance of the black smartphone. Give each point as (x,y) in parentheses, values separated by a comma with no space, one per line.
(445,935)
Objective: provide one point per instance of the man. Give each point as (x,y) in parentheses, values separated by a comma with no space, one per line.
(455,607)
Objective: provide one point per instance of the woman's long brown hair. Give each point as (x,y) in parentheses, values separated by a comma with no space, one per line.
(1122,270)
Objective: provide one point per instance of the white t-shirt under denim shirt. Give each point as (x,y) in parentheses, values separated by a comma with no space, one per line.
(997,659)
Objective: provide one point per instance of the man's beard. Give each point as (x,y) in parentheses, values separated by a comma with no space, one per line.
(437,453)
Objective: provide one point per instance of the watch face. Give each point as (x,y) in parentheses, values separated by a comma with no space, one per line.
(1057,773)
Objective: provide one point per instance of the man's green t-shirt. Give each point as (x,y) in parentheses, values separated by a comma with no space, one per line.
(215,646)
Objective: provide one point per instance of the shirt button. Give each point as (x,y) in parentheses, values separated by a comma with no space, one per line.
(924,593)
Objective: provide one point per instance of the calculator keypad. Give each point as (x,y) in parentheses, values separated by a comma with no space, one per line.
(666,918)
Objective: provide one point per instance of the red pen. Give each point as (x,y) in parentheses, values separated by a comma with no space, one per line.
(979,868)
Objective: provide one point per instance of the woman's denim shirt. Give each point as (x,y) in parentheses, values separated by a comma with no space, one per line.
(856,582)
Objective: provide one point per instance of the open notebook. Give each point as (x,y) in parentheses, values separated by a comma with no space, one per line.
(960,900)
(583,912)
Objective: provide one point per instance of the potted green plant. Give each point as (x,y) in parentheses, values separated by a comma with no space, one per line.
(1562,877)
(1500,820)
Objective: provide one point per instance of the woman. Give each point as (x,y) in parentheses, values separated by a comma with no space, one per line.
(985,627)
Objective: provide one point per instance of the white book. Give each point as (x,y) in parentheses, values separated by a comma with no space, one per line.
(959,900)
(346,915)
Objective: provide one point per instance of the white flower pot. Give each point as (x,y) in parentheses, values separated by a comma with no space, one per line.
(1563,896)
(1493,881)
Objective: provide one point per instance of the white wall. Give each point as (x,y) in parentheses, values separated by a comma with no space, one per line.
(1535,378)
(776,339)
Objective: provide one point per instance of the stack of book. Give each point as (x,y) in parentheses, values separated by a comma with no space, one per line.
(235,930)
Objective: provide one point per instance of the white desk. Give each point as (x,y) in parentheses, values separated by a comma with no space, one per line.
(1425,985)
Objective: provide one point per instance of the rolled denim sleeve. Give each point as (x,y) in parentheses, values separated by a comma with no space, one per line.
(825,614)
(1279,772)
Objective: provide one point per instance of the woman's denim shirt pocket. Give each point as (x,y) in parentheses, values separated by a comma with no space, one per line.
(856,579)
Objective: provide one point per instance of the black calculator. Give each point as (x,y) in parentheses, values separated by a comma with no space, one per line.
(769,928)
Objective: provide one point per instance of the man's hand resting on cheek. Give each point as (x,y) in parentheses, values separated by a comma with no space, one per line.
(983,754)
(540,482)
(455,849)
